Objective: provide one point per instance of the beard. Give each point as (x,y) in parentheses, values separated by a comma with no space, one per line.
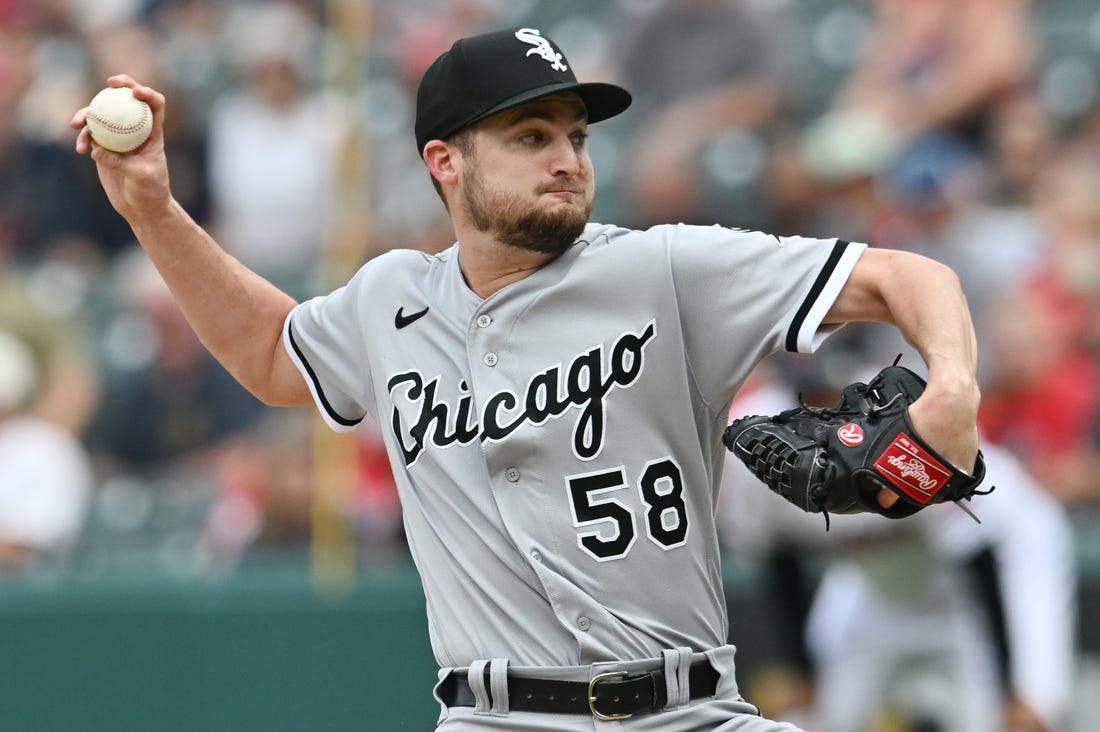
(508,219)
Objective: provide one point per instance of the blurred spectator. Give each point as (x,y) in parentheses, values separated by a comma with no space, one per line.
(407,36)
(45,474)
(935,620)
(268,499)
(1001,237)
(1022,143)
(265,498)
(1041,387)
(942,66)
(845,158)
(965,627)
(938,91)
(169,404)
(699,68)
(41,211)
(274,146)
(791,193)
(68,384)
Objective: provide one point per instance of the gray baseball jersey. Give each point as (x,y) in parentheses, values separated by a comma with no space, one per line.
(557,445)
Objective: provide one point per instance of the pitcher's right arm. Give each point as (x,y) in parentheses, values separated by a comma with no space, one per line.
(237,314)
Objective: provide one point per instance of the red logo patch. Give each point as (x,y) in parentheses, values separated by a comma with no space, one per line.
(850,434)
(912,470)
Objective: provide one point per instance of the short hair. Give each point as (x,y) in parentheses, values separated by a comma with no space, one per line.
(464,141)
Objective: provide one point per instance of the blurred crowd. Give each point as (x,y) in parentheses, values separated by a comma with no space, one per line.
(966,130)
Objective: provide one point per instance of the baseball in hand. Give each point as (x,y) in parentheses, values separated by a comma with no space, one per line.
(118,120)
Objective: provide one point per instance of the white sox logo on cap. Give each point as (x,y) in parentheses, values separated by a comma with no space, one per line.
(541,48)
(485,74)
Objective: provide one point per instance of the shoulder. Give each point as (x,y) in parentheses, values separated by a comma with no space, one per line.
(688,245)
(404,263)
(619,246)
(662,234)
(600,234)
(413,258)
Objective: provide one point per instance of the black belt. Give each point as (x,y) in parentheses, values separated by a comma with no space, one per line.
(614,695)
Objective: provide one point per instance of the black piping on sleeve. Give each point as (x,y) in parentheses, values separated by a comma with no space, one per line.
(815,291)
(332,413)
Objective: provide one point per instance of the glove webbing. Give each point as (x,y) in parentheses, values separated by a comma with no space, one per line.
(766,462)
(770,456)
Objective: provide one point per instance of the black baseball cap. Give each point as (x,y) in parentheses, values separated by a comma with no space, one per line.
(488,73)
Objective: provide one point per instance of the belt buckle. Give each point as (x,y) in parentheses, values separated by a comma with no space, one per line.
(592,696)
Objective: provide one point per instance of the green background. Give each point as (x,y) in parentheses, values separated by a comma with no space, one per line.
(262,651)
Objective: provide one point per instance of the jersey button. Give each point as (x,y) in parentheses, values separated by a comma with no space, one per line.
(584,623)
(484,321)
(536,555)
(490,359)
(512,475)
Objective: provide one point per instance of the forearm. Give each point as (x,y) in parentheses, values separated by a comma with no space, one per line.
(924,300)
(236,314)
(928,306)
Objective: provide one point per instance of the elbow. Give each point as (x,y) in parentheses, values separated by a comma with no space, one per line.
(271,399)
(949,284)
(280,400)
(888,284)
(277,382)
(277,386)
(946,274)
(909,272)
(282,392)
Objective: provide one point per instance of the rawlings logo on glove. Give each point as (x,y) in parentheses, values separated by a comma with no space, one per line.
(911,470)
(835,460)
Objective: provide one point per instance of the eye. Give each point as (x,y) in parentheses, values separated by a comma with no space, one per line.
(579,138)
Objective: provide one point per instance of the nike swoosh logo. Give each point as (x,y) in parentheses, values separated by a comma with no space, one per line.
(402,321)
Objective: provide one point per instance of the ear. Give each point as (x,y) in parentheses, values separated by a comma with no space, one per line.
(440,159)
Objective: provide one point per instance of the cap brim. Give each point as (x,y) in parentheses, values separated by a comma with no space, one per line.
(601,101)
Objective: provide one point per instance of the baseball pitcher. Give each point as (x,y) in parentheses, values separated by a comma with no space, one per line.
(553,391)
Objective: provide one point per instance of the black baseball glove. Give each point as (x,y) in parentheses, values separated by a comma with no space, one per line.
(836,460)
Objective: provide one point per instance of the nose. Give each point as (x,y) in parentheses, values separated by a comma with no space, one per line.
(567,159)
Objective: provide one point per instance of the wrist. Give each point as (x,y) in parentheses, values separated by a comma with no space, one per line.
(952,373)
(954,384)
(153,215)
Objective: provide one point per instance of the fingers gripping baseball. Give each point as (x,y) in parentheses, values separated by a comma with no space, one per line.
(136,182)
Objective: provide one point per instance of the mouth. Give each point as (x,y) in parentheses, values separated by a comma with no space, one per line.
(564,187)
